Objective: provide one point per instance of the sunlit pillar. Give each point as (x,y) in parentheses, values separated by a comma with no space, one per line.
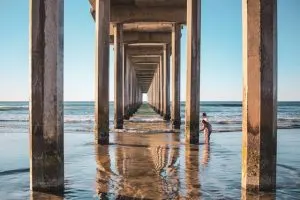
(193,71)
(46,96)
(102,72)
(260,95)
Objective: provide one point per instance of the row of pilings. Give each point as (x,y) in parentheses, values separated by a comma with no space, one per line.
(127,27)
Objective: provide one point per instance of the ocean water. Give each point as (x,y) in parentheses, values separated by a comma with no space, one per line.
(79,116)
(148,161)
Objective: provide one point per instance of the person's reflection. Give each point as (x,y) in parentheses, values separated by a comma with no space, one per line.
(246,195)
(192,171)
(44,196)
(205,154)
(103,170)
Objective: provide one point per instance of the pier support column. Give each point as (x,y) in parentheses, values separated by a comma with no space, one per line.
(125,83)
(155,92)
(161,86)
(175,113)
(193,71)
(130,92)
(159,91)
(102,72)
(166,90)
(260,95)
(46,96)
(118,46)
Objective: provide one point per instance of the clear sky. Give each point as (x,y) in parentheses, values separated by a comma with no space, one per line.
(221,51)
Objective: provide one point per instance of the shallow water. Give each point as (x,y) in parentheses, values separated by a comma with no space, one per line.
(150,165)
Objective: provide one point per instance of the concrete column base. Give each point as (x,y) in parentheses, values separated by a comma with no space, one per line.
(103,138)
(166,117)
(119,124)
(176,123)
(192,132)
(126,117)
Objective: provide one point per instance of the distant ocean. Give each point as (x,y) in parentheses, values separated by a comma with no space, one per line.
(225,116)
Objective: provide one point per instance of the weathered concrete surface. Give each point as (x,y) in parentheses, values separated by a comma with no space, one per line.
(130,13)
(193,71)
(150,27)
(161,85)
(102,72)
(175,113)
(248,195)
(46,96)
(118,47)
(126,65)
(144,50)
(166,86)
(159,105)
(260,95)
(144,37)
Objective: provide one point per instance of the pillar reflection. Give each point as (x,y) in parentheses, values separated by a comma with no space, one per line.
(205,154)
(246,195)
(192,172)
(45,196)
(103,170)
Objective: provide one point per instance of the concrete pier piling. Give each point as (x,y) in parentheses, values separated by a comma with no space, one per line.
(143,35)
(175,113)
(46,96)
(161,85)
(126,65)
(102,14)
(260,95)
(118,102)
(193,71)
(166,86)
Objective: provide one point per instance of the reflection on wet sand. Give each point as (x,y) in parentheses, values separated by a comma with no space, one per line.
(192,171)
(44,196)
(147,165)
(246,195)
(103,170)
(205,154)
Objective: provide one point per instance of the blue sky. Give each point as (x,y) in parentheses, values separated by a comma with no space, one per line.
(221,51)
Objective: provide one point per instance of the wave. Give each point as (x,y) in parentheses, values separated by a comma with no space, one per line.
(13,120)
(152,131)
(221,104)
(227,122)
(14,171)
(12,108)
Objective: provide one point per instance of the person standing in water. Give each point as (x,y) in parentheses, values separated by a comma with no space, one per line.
(206,128)
(204,116)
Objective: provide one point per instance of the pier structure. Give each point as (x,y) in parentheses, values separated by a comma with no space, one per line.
(145,33)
